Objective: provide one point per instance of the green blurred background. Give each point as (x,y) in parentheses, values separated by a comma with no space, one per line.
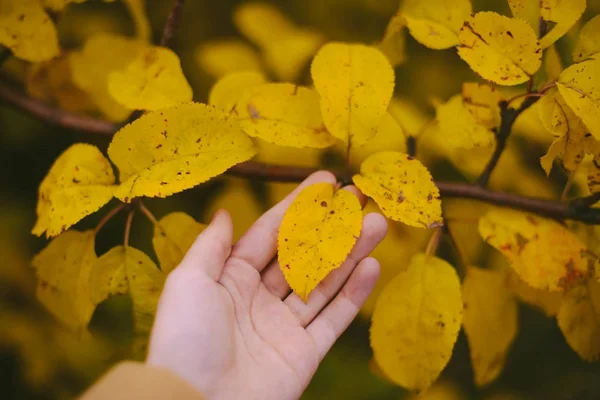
(41,360)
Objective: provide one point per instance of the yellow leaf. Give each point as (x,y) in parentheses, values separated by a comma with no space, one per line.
(389,137)
(402,187)
(588,43)
(461,127)
(63,275)
(552,63)
(287,55)
(483,101)
(261,22)
(356,84)
(231,88)
(284,114)
(270,153)
(411,119)
(436,23)
(416,322)
(579,319)
(168,151)
(574,140)
(91,68)
(593,176)
(562,14)
(126,270)
(544,253)
(59,5)
(222,57)
(27,30)
(393,44)
(543,300)
(79,183)
(173,236)
(316,235)
(153,80)
(236,192)
(527,10)
(579,85)
(500,49)
(490,321)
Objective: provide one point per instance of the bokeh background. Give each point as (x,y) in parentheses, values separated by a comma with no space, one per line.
(39,359)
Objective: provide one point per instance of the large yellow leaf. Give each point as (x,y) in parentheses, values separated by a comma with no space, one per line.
(231,88)
(579,85)
(126,270)
(435,23)
(500,49)
(153,80)
(526,10)
(579,319)
(588,43)
(561,15)
(416,322)
(173,236)
(284,114)
(393,43)
(222,57)
(63,275)
(92,66)
(490,321)
(168,151)
(389,137)
(79,183)
(544,253)
(27,30)
(402,187)
(356,84)
(316,235)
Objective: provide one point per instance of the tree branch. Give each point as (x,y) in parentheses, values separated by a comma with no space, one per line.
(171,24)
(508,116)
(578,211)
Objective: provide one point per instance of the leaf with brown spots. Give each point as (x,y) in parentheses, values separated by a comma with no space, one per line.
(316,235)
(544,253)
(402,187)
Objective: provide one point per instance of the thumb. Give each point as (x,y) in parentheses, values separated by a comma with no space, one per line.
(212,247)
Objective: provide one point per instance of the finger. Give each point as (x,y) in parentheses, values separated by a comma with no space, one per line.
(259,244)
(335,318)
(212,247)
(373,231)
(272,276)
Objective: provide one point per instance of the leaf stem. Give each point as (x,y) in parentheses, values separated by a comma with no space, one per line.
(568,184)
(148,214)
(462,258)
(128,223)
(108,217)
(434,242)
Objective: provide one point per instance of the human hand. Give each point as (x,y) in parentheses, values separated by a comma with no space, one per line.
(228,324)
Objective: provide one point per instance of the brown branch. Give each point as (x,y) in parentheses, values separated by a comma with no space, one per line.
(584,202)
(508,116)
(108,217)
(578,211)
(171,24)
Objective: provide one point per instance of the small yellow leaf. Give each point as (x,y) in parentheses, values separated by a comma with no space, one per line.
(126,270)
(500,49)
(562,15)
(579,319)
(393,44)
(316,235)
(221,57)
(411,119)
(490,321)
(435,23)
(416,322)
(153,80)
(284,114)
(402,187)
(63,275)
(270,153)
(261,22)
(91,68)
(173,236)
(579,85)
(553,65)
(356,84)
(588,44)
(483,101)
(389,137)
(231,88)
(168,151)
(287,56)
(551,113)
(80,182)
(544,253)
(27,30)
(526,10)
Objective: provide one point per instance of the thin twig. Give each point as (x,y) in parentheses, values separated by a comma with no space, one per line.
(148,214)
(108,217)
(411,146)
(585,202)
(462,258)
(433,243)
(128,227)
(171,24)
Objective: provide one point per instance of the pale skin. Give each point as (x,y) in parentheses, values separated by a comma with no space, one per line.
(229,324)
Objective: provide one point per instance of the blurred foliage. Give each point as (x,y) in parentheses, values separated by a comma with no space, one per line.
(41,360)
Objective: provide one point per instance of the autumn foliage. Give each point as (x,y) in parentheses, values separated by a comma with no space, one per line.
(289,92)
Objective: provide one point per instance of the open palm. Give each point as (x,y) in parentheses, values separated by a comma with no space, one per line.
(228,324)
